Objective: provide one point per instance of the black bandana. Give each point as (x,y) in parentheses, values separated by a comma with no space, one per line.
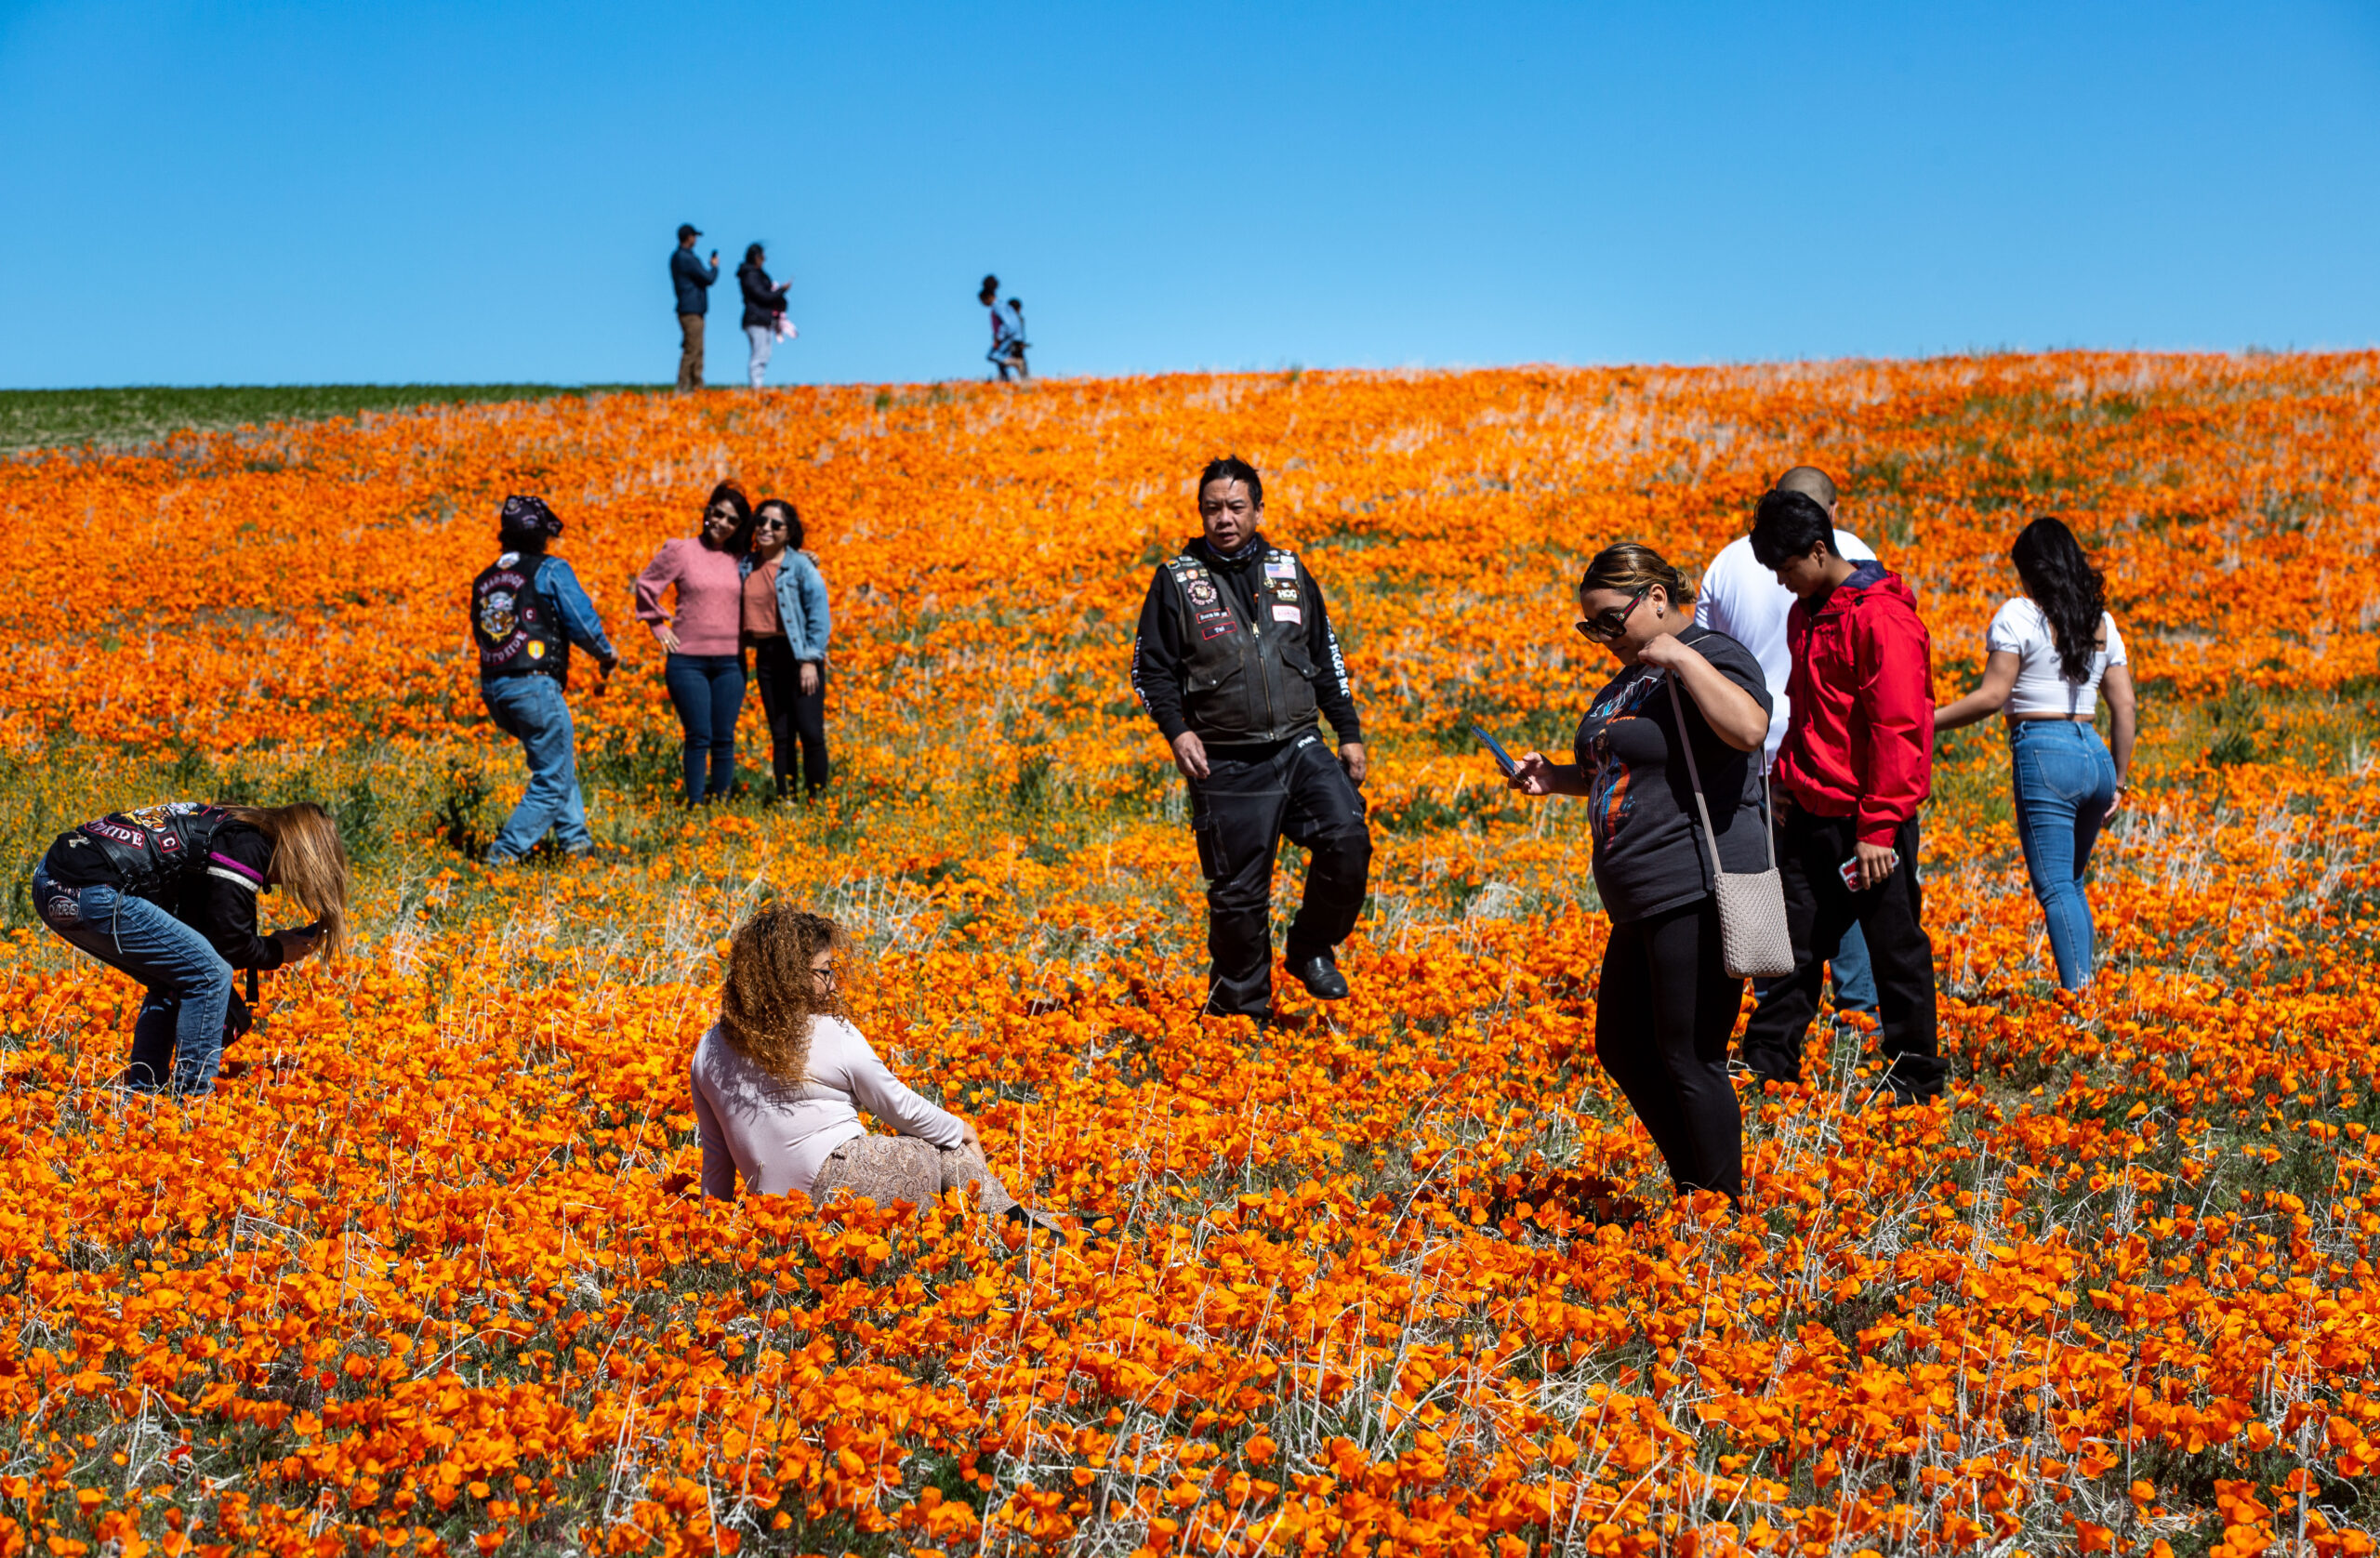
(528,516)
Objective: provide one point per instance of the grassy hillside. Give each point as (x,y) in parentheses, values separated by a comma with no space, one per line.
(129,417)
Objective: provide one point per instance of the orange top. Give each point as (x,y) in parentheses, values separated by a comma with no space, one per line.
(761,619)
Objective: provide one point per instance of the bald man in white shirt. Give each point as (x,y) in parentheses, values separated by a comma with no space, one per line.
(1739,597)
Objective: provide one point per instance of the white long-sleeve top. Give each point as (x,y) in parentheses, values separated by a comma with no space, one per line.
(776,1133)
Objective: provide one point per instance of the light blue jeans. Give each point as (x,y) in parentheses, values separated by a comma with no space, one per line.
(533,709)
(764,340)
(2064,782)
(189,982)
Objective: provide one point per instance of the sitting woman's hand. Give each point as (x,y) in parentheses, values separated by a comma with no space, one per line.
(971,1140)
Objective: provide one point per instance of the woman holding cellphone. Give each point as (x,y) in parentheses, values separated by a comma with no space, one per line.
(1665,1005)
(2049,655)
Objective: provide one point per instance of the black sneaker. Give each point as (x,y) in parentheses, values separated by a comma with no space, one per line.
(1321,977)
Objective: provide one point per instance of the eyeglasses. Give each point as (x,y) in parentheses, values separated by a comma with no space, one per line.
(1606,626)
(721,512)
(822,975)
(770,523)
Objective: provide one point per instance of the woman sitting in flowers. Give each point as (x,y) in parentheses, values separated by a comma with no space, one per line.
(168,895)
(2052,652)
(779,1081)
(1665,1006)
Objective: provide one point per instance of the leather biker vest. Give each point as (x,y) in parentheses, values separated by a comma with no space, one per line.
(516,628)
(1245,681)
(152,845)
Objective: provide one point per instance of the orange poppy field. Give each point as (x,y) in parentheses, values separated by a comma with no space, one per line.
(1400,1275)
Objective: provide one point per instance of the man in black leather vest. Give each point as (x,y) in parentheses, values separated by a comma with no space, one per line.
(1234,658)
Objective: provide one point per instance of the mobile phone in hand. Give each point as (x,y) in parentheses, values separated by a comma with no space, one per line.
(1496,749)
(1849,870)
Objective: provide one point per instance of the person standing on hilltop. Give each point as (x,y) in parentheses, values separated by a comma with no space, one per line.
(763,308)
(1234,658)
(1742,599)
(1008,340)
(691,281)
(527,609)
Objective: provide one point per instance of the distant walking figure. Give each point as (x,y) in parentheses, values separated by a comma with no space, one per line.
(1008,340)
(693,280)
(763,307)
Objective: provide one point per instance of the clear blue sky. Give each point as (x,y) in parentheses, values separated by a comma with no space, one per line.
(473,191)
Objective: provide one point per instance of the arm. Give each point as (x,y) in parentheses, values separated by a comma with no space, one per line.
(818,621)
(578,613)
(1734,715)
(223,901)
(658,575)
(1156,676)
(1535,773)
(1999,680)
(2124,709)
(876,1090)
(1896,697)
(1333,689)
(718,1164)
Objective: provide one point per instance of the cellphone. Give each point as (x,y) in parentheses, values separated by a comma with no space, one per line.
(1496,750)
(1849,870)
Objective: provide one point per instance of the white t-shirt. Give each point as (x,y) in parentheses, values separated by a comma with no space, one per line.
(1742,599)
(2022,630)
(777,1134)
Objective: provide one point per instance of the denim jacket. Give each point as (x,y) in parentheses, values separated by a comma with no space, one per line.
(801,605)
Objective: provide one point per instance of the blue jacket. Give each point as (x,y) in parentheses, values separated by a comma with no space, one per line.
(801,606)
(692,280)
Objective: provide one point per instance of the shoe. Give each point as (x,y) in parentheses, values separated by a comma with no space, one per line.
(1321,977)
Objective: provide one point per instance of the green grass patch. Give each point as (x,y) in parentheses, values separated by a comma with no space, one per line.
(32,420)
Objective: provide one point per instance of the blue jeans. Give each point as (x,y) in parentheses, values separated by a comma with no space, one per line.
(531,710)
(2064,781)
(189,982)
(708,690)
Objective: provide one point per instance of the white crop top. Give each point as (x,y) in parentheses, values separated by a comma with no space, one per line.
(2020,629)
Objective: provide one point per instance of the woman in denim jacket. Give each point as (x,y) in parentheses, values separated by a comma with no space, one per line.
(786,624)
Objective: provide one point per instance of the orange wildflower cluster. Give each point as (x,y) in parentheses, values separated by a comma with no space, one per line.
(425,1277)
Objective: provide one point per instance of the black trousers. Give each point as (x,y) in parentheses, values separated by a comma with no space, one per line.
(1252,798)
(793,715)
(1809,851)
(1665,1009)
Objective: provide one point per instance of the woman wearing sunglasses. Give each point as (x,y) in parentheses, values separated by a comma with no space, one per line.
(1665,1006)
(705,672)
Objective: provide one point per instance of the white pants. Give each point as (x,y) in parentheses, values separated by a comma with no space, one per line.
(764,340)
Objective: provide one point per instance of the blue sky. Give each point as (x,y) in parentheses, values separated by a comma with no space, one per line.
(385,192)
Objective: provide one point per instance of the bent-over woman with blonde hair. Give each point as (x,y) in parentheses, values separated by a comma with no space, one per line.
(1665,1004)
(167,894)
(779,1081)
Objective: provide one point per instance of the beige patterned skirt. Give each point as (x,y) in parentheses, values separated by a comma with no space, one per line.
(889,1168)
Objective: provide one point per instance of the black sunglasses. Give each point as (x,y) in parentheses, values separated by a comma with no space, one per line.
(1606,626)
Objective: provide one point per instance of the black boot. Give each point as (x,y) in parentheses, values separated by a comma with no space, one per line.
(1320,976)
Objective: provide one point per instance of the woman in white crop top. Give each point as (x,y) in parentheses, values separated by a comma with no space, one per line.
(778,1083)
(2051,653)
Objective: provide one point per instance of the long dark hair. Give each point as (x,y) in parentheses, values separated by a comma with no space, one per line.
(739,540)
(2071,592)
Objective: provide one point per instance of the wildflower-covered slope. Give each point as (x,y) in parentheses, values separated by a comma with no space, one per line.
(424,1276)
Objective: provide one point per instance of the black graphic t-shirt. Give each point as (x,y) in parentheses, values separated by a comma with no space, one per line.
(1649,853)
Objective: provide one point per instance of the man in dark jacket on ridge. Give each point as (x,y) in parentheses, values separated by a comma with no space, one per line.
(691,281)
(1856,762)
(1234,658)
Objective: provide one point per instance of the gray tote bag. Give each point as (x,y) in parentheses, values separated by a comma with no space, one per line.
(1754,940)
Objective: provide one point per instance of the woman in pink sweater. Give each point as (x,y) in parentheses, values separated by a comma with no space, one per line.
(705,672)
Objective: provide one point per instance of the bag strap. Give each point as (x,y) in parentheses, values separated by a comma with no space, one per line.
(1694,771)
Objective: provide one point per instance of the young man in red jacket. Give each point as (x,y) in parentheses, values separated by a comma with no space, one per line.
(1857,760)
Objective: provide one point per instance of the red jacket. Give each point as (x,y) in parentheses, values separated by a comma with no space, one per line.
(1861,742)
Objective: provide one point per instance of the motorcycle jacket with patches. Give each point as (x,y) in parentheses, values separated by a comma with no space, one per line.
(1239,650)
(518,631)
(144,850)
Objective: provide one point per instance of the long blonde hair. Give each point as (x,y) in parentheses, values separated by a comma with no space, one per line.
(308,859)
(770,998)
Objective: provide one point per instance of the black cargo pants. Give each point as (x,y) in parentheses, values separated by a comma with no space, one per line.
(1252,798)
(1819,908)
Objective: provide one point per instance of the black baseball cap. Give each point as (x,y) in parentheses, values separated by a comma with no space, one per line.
(688,230)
